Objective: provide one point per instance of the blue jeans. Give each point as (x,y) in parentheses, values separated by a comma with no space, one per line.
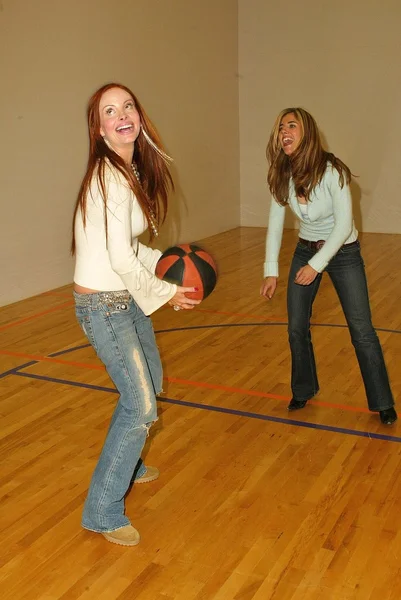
(347,272)
(124,340)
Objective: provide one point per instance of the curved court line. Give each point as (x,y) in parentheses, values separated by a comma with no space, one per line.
(60,352)
(51,358)
(231,314)
(231,411)
(217,325)
(187,382)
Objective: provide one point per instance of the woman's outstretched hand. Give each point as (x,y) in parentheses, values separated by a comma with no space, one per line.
(181,301)
(306,275)
(268,287)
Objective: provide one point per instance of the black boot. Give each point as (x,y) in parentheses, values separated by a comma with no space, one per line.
(296,404)
(388,416)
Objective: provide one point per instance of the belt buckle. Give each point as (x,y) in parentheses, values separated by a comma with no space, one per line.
(320,244)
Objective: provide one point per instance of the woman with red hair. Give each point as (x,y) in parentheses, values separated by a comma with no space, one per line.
(124,192)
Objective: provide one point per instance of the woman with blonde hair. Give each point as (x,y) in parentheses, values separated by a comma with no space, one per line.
(315,185)
(124,192)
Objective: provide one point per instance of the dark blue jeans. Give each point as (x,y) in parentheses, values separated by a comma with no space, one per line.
(347,272)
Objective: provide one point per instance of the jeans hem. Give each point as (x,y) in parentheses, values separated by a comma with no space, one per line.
(381,408)
(305,399)
(103,530)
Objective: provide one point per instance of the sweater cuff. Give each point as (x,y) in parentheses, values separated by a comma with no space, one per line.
(270,269)
(317,263)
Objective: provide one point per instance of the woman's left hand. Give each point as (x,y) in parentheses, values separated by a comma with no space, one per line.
(306,275)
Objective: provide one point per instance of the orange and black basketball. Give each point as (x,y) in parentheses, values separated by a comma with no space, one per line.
(189,266)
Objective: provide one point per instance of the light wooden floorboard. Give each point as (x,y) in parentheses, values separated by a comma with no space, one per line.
(252,503)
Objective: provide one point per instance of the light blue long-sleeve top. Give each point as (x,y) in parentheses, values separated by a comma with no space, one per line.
(329,217)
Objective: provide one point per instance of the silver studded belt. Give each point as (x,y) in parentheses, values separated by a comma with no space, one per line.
(102,298)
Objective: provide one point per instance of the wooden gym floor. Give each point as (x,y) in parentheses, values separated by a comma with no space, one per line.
(252,503)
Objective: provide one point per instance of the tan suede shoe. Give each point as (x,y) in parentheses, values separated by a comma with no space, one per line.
(150,474)
(124,536)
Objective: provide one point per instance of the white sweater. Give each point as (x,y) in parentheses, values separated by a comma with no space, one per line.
(329,218)
(123,262)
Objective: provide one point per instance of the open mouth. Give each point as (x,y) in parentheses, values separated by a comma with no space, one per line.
(125,128)
(287,141)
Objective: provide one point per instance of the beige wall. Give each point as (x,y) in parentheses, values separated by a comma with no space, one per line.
(342,62)
(180,58)
(339,60)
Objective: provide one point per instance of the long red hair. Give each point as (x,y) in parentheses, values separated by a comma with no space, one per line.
(156,179)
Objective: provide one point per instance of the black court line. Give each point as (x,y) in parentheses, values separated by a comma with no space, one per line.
(215,326)
(263,324)
(61,352)
(231,411)
(15,370)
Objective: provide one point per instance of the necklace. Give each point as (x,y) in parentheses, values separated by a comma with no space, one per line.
(152,216)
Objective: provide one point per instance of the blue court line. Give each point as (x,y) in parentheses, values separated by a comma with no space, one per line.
(230,411)
(15,370)
(90,386)
(263,324)
(60,352)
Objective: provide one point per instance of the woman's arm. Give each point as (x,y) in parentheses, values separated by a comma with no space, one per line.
(148,291)
(273,238)
(148,256)
(343,221)
(273,244)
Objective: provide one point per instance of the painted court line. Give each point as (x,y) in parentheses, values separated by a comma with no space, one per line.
(271,320)
(264,324)
(51,358)
(218,326)
(231,411)
(88,386)
(226,388)
(36,315)
(230,314)
(15,370)
(39,358)
(36,360)
(277,320)
(234,390)
(60,352)
(178,380)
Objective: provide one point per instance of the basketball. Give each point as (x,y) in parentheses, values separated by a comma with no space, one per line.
(188,265)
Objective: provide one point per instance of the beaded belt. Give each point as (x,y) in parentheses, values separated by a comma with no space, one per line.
(102,297)
(317,245)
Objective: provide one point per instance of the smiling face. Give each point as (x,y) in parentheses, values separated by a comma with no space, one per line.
(119,120)
(290,133)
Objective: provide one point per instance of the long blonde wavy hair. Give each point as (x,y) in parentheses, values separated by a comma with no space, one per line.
(306,165)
